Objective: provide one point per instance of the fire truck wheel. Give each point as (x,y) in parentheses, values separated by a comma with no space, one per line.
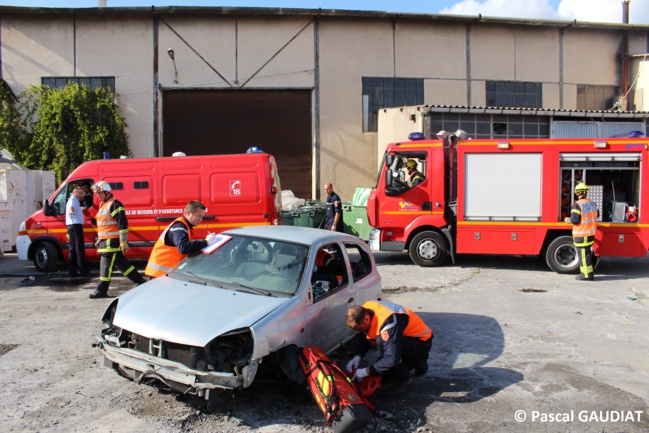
(46,258)
(428,249)
(561,256)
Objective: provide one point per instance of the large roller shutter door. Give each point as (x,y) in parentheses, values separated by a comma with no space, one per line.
(209,122)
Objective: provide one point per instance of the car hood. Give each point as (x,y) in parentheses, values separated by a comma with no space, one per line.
(188,313)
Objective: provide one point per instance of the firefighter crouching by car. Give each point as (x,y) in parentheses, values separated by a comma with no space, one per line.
(112,243)
(177,241)
(402,338)
(583,216)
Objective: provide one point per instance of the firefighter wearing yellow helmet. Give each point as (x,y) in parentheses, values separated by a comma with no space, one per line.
(583,217)
(414,176)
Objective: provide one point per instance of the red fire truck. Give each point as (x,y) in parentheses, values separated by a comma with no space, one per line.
(509,197)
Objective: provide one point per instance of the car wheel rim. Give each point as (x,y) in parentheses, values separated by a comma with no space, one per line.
(427,249)
(41,257)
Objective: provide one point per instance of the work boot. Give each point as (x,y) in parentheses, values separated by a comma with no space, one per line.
(97,295)
(580,277)
(421,367)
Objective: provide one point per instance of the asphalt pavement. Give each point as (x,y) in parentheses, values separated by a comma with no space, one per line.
(517,347)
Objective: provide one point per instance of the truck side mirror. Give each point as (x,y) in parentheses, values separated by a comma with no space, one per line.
(388,177)
(389,159)
(47,209)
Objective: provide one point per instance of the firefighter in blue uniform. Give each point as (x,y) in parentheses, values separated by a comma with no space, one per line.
(334,215)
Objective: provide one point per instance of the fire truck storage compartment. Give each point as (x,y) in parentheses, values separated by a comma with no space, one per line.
(503,187)
(613,180)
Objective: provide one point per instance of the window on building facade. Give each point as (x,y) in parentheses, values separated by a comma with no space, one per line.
(514,94)
(388,92)
(596,97)
(491,125)
(90,82)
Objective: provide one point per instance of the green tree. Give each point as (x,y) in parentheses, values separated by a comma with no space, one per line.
(67,127)
(13,132)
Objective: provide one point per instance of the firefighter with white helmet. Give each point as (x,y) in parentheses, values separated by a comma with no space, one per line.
(583,216)
(112,243)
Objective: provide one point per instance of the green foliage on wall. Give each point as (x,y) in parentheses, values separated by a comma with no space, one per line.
(63,128)
(13,132)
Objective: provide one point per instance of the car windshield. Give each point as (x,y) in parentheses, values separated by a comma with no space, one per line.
(248,264)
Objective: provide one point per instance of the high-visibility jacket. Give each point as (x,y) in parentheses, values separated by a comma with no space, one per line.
(584,232)
(112,226)
(383,310)
(415,179)
(164,257)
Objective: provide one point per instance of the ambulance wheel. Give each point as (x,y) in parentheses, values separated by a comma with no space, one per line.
(561,256)
(46,258)
(428,249)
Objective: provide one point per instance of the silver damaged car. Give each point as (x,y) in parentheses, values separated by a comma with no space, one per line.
(255,296)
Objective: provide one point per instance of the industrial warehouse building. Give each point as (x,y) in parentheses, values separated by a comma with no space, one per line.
(308,85)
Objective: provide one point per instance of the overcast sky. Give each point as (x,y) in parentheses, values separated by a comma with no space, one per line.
(583,10)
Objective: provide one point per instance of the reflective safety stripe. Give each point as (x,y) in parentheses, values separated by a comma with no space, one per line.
(109,247)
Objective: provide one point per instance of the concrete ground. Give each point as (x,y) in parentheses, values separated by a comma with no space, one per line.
(517,348)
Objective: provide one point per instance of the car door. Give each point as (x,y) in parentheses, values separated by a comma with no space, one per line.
(325,314)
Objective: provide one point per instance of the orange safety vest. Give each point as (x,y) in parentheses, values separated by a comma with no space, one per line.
(382,310)
(164,257)
(588,225)
(106,225)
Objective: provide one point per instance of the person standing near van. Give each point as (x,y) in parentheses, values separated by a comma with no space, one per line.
(112,243)
(74,219)
(177,241)
(87,195)
(334,215)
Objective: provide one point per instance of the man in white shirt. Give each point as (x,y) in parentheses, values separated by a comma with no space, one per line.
(74,219)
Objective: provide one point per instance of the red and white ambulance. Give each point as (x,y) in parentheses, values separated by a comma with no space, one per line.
(238,190)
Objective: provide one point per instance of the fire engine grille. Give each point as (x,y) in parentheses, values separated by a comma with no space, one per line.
(186,355)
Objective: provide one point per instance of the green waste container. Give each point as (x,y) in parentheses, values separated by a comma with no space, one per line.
(309,216)
(355,221)
(287,218)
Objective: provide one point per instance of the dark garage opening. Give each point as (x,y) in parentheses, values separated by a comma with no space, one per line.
(210,122)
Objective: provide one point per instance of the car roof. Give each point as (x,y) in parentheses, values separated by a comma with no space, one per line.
(302,235)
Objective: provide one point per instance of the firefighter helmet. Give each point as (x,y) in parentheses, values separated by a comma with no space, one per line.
(101,186)
(581,189)
(411,163)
